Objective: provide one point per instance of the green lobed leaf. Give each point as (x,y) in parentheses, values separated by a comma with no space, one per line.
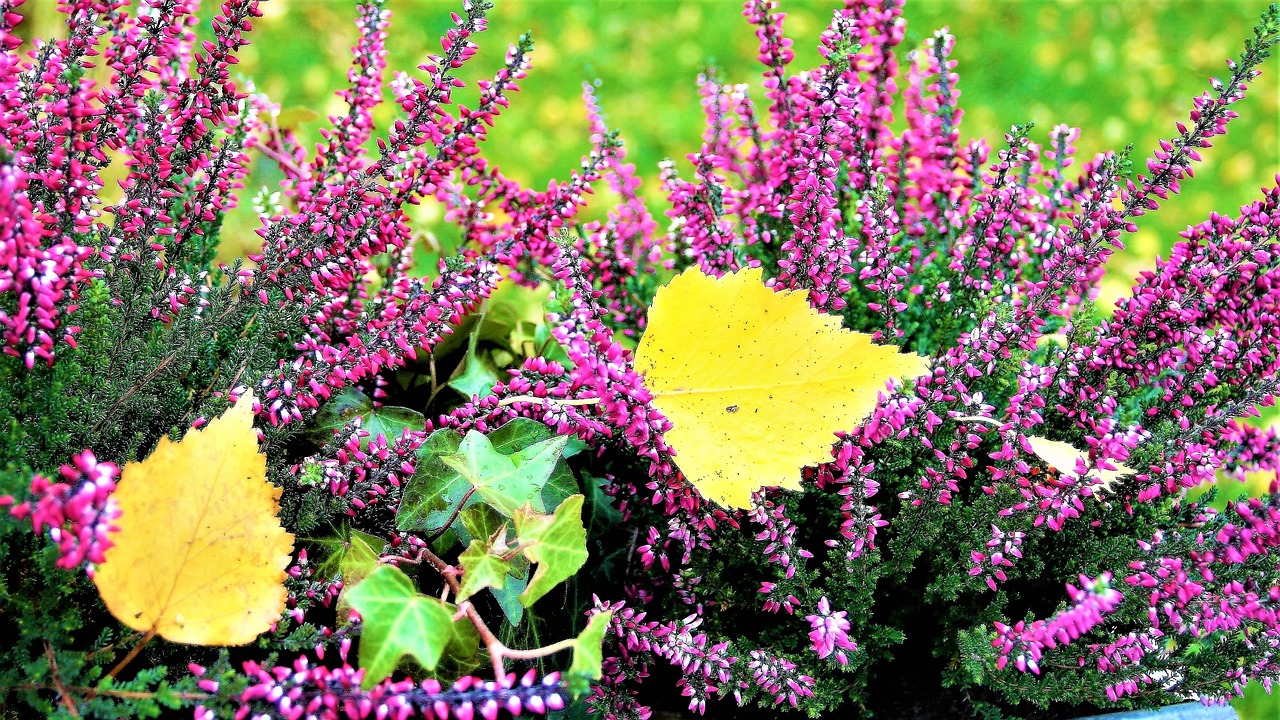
(478,376)
(337,412)
(521,433)
(508,596)
(506,482)
(435,488)
(397,621)
(481,569)
(549,348)
(588,654)
(390,421)
(353,555)
(557,543)
(351,404)
(348,551)
(481,522)
(601,513)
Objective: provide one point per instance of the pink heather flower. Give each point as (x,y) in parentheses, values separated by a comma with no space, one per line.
(77,512)
(777,676)
(830,632)
(39,271)
(1091,602)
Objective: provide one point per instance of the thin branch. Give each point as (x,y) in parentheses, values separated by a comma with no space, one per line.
(132,654)
(116,405)
(92,692)
(65,696)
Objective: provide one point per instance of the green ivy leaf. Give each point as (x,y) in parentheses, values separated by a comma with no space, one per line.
(389,421)
(397,621)
(521,433)
(574,447)
(508,596)
(559,487)
(549,348)
(557,543)
(353,555)
(506,482)
(481,569)
(478,376)
(588,654)
(518,312)
(481,522)
(337,412)
(435,489)
(348,552)
(601,513)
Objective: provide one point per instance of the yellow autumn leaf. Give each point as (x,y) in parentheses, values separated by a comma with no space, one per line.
(755,382)
(1063,456)
(200,555)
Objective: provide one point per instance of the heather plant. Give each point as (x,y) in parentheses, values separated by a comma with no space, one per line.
(476,476)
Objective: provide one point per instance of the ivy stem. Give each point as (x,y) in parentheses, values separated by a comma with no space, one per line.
(544,400)
(497,651)
(538,652)
(491,642)
(457,509)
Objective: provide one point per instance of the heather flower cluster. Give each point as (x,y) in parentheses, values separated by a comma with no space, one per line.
(830,634)
(77,512)
(1094,599)
(1048,439)
(310,690)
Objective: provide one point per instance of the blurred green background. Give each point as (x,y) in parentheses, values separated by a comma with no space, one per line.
(1123,72)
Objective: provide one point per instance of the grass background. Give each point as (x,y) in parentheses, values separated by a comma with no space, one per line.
(1123,72)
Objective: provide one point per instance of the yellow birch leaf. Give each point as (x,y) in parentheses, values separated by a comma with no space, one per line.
(755,382)
(1063,456)
(200,555)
